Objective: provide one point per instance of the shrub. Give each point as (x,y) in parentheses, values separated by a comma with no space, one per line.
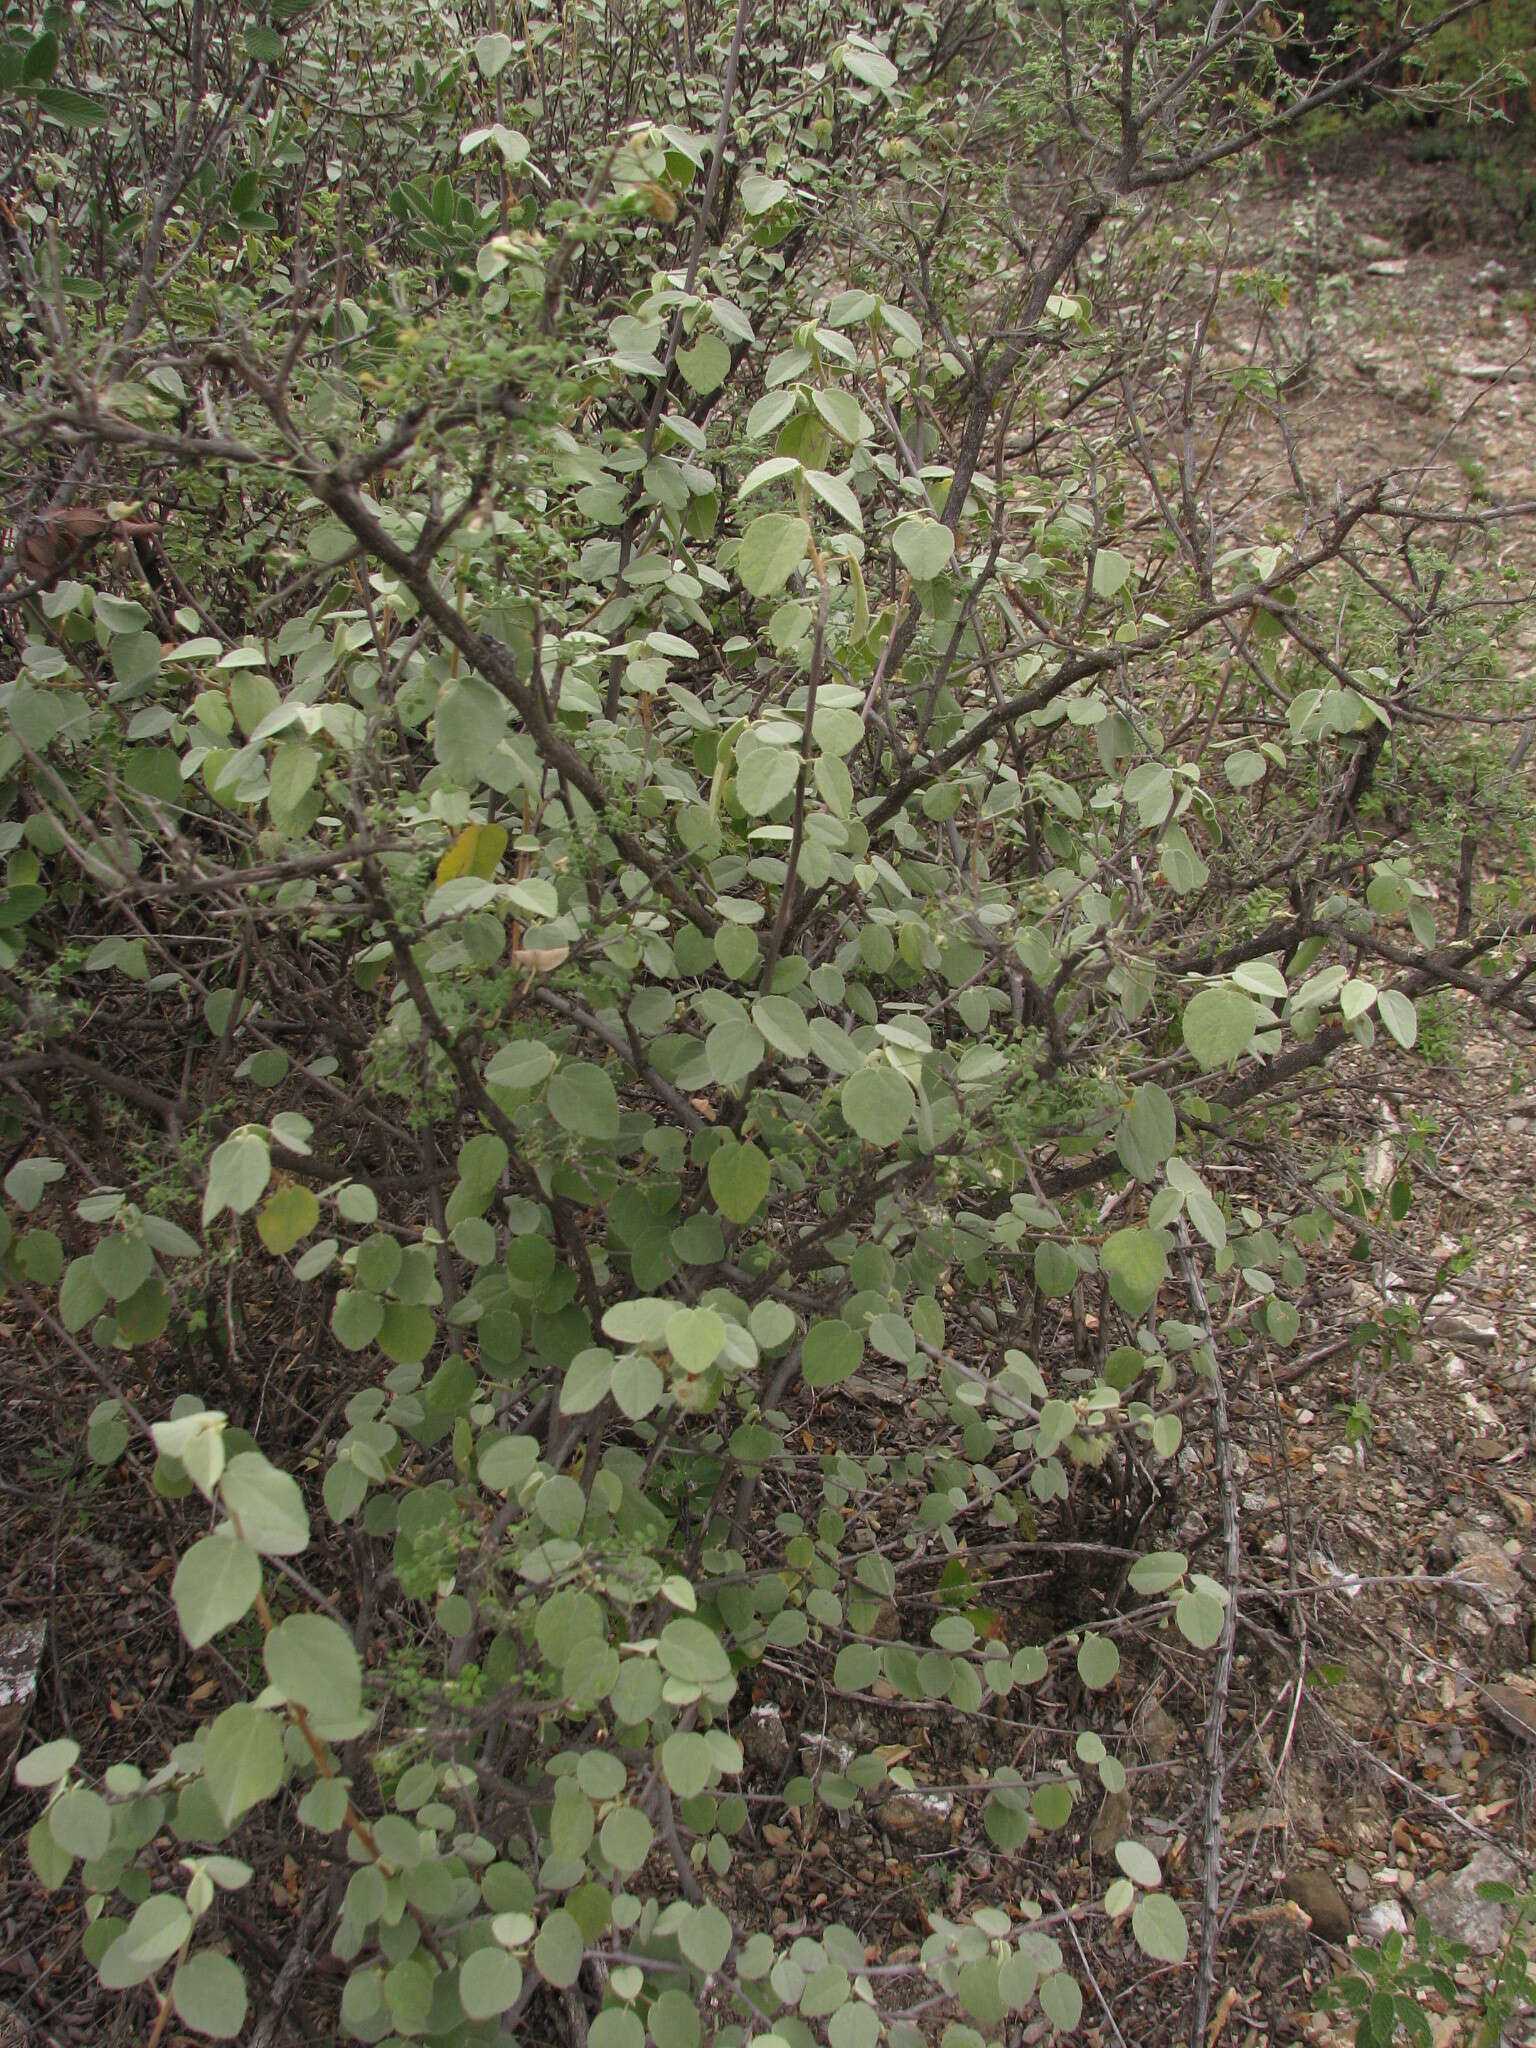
(643,781)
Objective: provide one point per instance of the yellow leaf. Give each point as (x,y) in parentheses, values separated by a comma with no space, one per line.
(476,851)
(289,1215)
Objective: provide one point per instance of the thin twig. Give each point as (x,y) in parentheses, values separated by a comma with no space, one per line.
(299,1960)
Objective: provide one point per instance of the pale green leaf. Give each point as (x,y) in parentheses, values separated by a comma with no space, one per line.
(1159,1928)
(772,549)
(765,777)
(583,1100)
(833,491)
(313,1662)
(559,1949)
(1061,2001)
(1399,1016)
(242,1760)
(208,1992)
(1218,1024)
(154,1934)
(1135,1262)
(923,547)
(1200,1617)
(739,1177)
(266,1504)
(1111,573)
(216,1583)
(1139,1864)
(1097,1662)
(878,1104)
(238,1174)
(489,1981)
(44,1766)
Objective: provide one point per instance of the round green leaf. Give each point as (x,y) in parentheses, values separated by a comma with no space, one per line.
(825,1993)
(637,1322)
(313,1662)
(1159,1571)
(1097,1662)
(1281,1319)
(1398,1014)
(46,1765)
(687,1763)
(378,1262)
(504,1462)
(208,1992)
(407,1332)
(520,1066)
(979,1993)
(215,1584)
(737,950)
(616,2028)
(1148,1131)
(626,1839)
(695,1338)
(674,2021)
(81,1299)
(733,1050)
(583,1100)
(121,1264)
(135,658)
(1051,1804)
(1111,572)
(923,547)
(559,1949)
(772,549)
(242,1760)
(637,1386)
(356,1318)
(1219,1024)
(1200,1617)
(831,1352)
(1055,1269)
(1139,1864)
(765,777)
(588,1378)
(693,1653)
(1061,2001)
(81,1822)
(1159,1928)
(143,1316)
(238,1174)
(857,1667)
(1135,1262)
(267,1505)
(467,730)
(564,1620)
(739,1179)
(783,1023)
(772,1324)
(878,1104)
(489,1981)
(154,1934)
(560,1504)
(706,365)
(854,2025)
